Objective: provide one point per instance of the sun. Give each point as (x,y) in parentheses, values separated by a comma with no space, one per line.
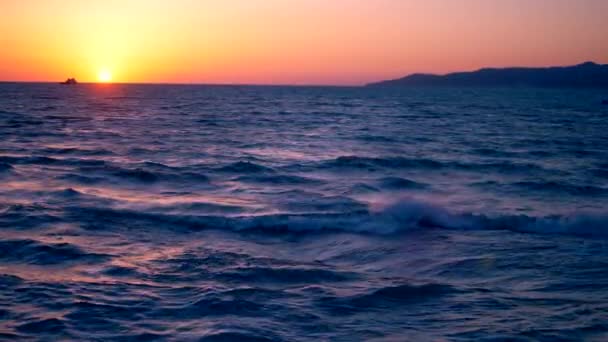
(104,76)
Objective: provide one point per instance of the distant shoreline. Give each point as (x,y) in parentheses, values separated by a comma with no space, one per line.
(585,75)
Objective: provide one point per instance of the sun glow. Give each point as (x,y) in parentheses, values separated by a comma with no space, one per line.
(104,76)
(289,42)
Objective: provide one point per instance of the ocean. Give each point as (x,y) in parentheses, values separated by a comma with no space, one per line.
(221,213)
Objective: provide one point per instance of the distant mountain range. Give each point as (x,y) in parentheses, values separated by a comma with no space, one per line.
(586,75)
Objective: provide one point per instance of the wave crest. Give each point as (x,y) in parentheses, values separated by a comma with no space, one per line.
(39,253)
(398,217)
(400,163)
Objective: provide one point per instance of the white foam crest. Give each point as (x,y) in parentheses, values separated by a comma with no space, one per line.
(406,215)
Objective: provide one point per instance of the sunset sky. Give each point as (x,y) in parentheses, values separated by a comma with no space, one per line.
(290,41)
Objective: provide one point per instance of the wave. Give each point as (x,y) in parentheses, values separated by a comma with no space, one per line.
(48,326)
(80,179)
(356,162)
(414,214)
(205,207)
(213,306)
(283,275)
(376,138)
(545,187)
(564,188)
(22,122)
(76,151)
(44,160)
(10,280)
(46,97)
(496,153)
(490,152)
(4,112)
(277,179)
(45,109)
(244,167)
(389,297)
(66,193)
(120,271)
(398,217)
(405,293)
(27,216)
(39,253)
(5,167)
(503,167)
(142,173)
(361,188)
(397,183)
(601,173)
(235,336)
(371,164)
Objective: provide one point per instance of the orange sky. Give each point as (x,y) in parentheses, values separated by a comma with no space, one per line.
(291,41)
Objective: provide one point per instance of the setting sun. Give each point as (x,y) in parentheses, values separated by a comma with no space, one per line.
(104,76)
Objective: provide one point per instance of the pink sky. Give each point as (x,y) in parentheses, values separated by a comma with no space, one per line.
(291,41)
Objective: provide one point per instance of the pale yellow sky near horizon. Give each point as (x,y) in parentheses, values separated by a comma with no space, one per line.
(291,42)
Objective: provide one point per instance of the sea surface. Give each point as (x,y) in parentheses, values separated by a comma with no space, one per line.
(234,213)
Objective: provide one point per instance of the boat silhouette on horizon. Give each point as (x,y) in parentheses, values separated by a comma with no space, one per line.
(69,81)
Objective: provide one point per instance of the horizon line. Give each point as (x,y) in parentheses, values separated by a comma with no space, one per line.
(315,85)
(312,85)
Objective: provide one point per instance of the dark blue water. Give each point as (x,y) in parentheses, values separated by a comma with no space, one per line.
(131,212)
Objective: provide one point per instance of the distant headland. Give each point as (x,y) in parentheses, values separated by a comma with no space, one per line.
(585,75)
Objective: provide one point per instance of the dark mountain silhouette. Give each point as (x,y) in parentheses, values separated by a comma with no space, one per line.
(586,75)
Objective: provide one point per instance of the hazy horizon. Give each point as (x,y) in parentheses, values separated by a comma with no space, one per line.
(292,84)
(345,42)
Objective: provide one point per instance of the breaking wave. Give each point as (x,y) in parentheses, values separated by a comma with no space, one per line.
(398,217)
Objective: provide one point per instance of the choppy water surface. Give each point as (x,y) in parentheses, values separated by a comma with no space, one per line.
(302,214)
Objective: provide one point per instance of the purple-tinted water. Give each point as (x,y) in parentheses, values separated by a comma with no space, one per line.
(295,214)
